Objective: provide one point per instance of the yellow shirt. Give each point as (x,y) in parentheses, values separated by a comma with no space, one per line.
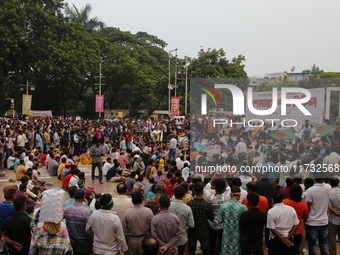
(61,166)
(47,138)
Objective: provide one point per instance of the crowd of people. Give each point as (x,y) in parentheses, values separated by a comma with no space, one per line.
(168,202)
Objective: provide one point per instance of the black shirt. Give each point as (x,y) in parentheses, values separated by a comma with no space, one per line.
(252,224)
(111,173)
(18,229)
(265,188)
(202,212)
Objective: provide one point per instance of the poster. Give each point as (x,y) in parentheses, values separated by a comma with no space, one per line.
(99,103)
(175,106)
(26,104)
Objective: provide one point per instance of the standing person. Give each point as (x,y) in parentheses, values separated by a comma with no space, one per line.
(153,202)
(229,214)
(136,232)
(122,202)
(106,228)
(263,202)
(185,216)
(333,216)
(282,222)
(165,228)
(252,224)
(16,229)
(96,153)
(173,147)
(76,216)
(150,246)
(222,195)
(7,207)
(202,212)
(317,223)
(301,210)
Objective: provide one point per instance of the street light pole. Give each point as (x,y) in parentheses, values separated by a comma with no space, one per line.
(176,70)
(169,79)
(100,82)
(27,86)
(186,85)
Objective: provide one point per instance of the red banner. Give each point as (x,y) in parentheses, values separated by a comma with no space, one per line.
(175,106)
(99,103)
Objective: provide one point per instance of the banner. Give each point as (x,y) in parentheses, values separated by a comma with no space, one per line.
(26,104)
(263,101)
(99,103)
(41,113)
(175,106)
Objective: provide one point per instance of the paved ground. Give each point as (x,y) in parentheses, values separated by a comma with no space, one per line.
(105,187)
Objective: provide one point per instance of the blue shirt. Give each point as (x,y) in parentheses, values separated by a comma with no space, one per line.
(54,168)
(111,173)
(6,210)
(76,216)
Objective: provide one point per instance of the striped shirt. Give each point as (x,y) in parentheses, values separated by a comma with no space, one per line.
(334,201)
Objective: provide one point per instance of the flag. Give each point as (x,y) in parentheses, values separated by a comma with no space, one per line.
(322,129)
(285,134)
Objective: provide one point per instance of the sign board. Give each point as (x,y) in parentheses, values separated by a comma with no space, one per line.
(263,101)
(26,104)
(175,106)
(41,113)
(99,103)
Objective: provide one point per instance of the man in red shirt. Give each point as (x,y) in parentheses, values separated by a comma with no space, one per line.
(128,136)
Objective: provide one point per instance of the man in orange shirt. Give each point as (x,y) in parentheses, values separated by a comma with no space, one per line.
(21,170)
(301,210)
(263,202)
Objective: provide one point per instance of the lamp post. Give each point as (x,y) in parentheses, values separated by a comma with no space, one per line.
(169,78)
(32,87)
(100,82)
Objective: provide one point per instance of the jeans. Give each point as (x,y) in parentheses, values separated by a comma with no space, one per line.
(205,246)
(172,154)
(319,232)
(99,165)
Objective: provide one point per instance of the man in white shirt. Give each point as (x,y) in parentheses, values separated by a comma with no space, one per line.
(333,159)
(121,203)
(317,223)
(108,164)
(173,147)
(333,215)
(241,150)
(29,163)
(282,222)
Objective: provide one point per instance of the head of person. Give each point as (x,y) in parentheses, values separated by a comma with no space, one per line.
(106,201)
(220,185)
(334,182)
(164,202)
(10,192)
(235,193)
(277,197)
(137,198)
(309,182)
(24,180)
(251,187)
(295,192)
(22,187)
(79,195)
(97,142)
(253,199)
(160,188)
(20,204)
(237,182)
(150,246)
(122,189)
(179,192)
(71,190)
(198,189)
(289,181)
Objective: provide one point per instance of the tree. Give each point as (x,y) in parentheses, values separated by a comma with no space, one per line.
(214,65)
(83,17)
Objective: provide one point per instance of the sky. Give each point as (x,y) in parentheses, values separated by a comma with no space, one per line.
(273,35)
